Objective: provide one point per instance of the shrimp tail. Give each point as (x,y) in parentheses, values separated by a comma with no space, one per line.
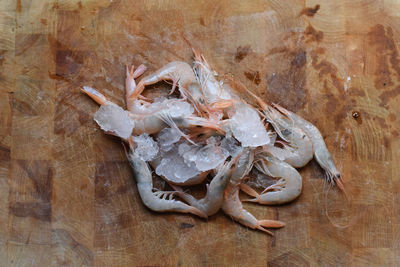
(98,97)
(272,223)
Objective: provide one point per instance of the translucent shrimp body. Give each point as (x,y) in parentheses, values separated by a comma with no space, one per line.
(212,202)
(300,150)
(181,75)
(321,153)
(242,116)
(232,205)
(212,89)
(152,199)
(287,188)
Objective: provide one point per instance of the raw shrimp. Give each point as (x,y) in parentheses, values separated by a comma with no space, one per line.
(300,150)
(155,201)
(207,110)
(181,75)
(157,120)
(152,199)
(212,89)
(321,152)
(212,202)
(285,190)
(232,205)
(242,116)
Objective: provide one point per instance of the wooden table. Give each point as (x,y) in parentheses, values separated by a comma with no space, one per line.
(67,193)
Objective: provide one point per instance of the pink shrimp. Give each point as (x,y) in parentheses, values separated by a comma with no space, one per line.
(212,202)
(158,119)
(157,201)
(182,76)
(321,152)
(232,205)
(285,190)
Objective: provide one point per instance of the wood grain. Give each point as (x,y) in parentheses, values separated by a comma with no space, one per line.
(67,194)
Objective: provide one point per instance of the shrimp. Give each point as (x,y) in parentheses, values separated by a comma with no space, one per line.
(232,205)
(299,151)
(321,152)
(157,119)
(225,100)
(157,201)
(212,202)
(181,75)
(213,91)
(285,190)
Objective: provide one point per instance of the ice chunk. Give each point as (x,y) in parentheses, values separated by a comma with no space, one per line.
(173,167)
(188,152)
(114,120)
(232,146)
(206,158)
(210,157)
(183,148)
(146,148)
(167,137)
(247,127)
(179,108)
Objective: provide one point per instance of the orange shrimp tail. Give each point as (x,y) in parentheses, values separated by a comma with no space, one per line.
(272,223)
(339,183)
(95,95)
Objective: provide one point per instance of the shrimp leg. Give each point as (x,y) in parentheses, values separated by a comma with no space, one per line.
(130,84)
(157,201)
(286,189)
(212,202)
(321,152)
(232,205)
(234,208)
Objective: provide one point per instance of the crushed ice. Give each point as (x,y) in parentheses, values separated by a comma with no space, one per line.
(113,119)
(146,148)
(205,158)
(167,137)
(247,127)
(174,168)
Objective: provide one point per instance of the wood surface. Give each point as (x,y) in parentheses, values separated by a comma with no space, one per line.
(67,193)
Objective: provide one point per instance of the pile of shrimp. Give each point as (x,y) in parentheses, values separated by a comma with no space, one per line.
(206,133)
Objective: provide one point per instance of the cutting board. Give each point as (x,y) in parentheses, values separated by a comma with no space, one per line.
(67,193)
